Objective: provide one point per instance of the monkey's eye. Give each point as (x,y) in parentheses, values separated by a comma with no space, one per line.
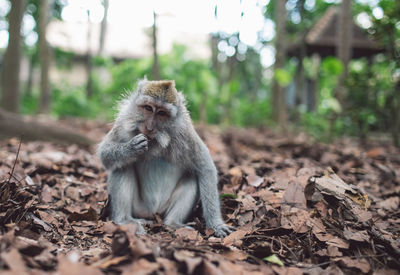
(148,108)
(162,113)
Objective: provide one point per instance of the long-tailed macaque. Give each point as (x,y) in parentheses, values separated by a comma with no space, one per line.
(157,163)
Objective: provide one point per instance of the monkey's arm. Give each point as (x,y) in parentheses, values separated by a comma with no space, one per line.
(116,154)
(208,186)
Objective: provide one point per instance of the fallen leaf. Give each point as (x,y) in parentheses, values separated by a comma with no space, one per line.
(254,180)
(273,259)
(141,267)
(360,264)
(88,215)
(14,261)
(188,234)
(356,235)
(189,259)
(338,242)
(390,204)
(235,237)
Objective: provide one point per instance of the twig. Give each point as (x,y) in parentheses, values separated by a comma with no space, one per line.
(15,162)
(270,238)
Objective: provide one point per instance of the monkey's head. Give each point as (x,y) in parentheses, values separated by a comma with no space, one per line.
(158,108)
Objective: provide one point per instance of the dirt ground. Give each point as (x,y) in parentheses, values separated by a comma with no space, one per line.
(299,207)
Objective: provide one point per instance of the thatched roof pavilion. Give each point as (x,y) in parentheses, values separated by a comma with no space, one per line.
(321,39)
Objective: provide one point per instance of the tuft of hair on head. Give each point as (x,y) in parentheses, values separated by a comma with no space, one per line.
(161,89)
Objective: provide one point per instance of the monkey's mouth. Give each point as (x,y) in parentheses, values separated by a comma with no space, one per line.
(151,137)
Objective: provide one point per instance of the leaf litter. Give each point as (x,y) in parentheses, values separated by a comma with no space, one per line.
(299,207)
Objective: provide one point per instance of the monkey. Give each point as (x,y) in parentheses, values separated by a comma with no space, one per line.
(157,163)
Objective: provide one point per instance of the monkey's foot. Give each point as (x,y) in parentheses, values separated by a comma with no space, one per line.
(223,230)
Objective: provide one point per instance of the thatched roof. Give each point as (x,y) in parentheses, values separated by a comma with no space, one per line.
(321,38)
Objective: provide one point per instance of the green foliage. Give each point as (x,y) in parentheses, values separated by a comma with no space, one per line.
(283,77)
(252,113)
(29,103)
(63,59)
(125,75)
(332,66)
(71,101)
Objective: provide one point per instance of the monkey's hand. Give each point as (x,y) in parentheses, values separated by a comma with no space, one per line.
(222,230)
(138,144)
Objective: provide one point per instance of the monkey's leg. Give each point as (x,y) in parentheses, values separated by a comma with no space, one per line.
(124,193)
(182,202)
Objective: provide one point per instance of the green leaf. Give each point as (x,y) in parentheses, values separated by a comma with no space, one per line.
(332,66)
(332,104)
(283,77)
(228,195)
(273,259)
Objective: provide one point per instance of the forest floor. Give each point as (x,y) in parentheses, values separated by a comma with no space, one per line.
(300,207)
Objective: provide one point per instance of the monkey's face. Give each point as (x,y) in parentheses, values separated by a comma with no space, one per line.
(155,120)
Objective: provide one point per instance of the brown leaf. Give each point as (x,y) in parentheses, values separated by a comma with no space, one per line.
(338,242)
(47,194)
(43,224)
(235,254)
(390,204)
(254,180)
(248,202)
(88,215)
(69,265)
(356,235)
(329,184)
(235,172)
(169,267)
(333,251)
(294,218)
(376,152)
(360,264)
(188,234)
(189,259)
(141,267)
(14,261)
(294,196)
(209,269)
(270,197)
(110,261)
(235,237)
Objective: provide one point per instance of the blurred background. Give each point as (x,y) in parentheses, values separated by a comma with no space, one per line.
(328,67)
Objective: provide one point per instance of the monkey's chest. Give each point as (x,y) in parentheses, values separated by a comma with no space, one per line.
(158,180)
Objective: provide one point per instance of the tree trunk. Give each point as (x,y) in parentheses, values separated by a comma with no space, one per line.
(344,47)
(214,53)
(29,84)
(13,125)
(396,116)
(89,84)
(44,53)
(279,109)
(12,59)
(103,30)
(301,89)
(156,65)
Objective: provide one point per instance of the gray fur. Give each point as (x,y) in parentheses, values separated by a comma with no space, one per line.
(165,175)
